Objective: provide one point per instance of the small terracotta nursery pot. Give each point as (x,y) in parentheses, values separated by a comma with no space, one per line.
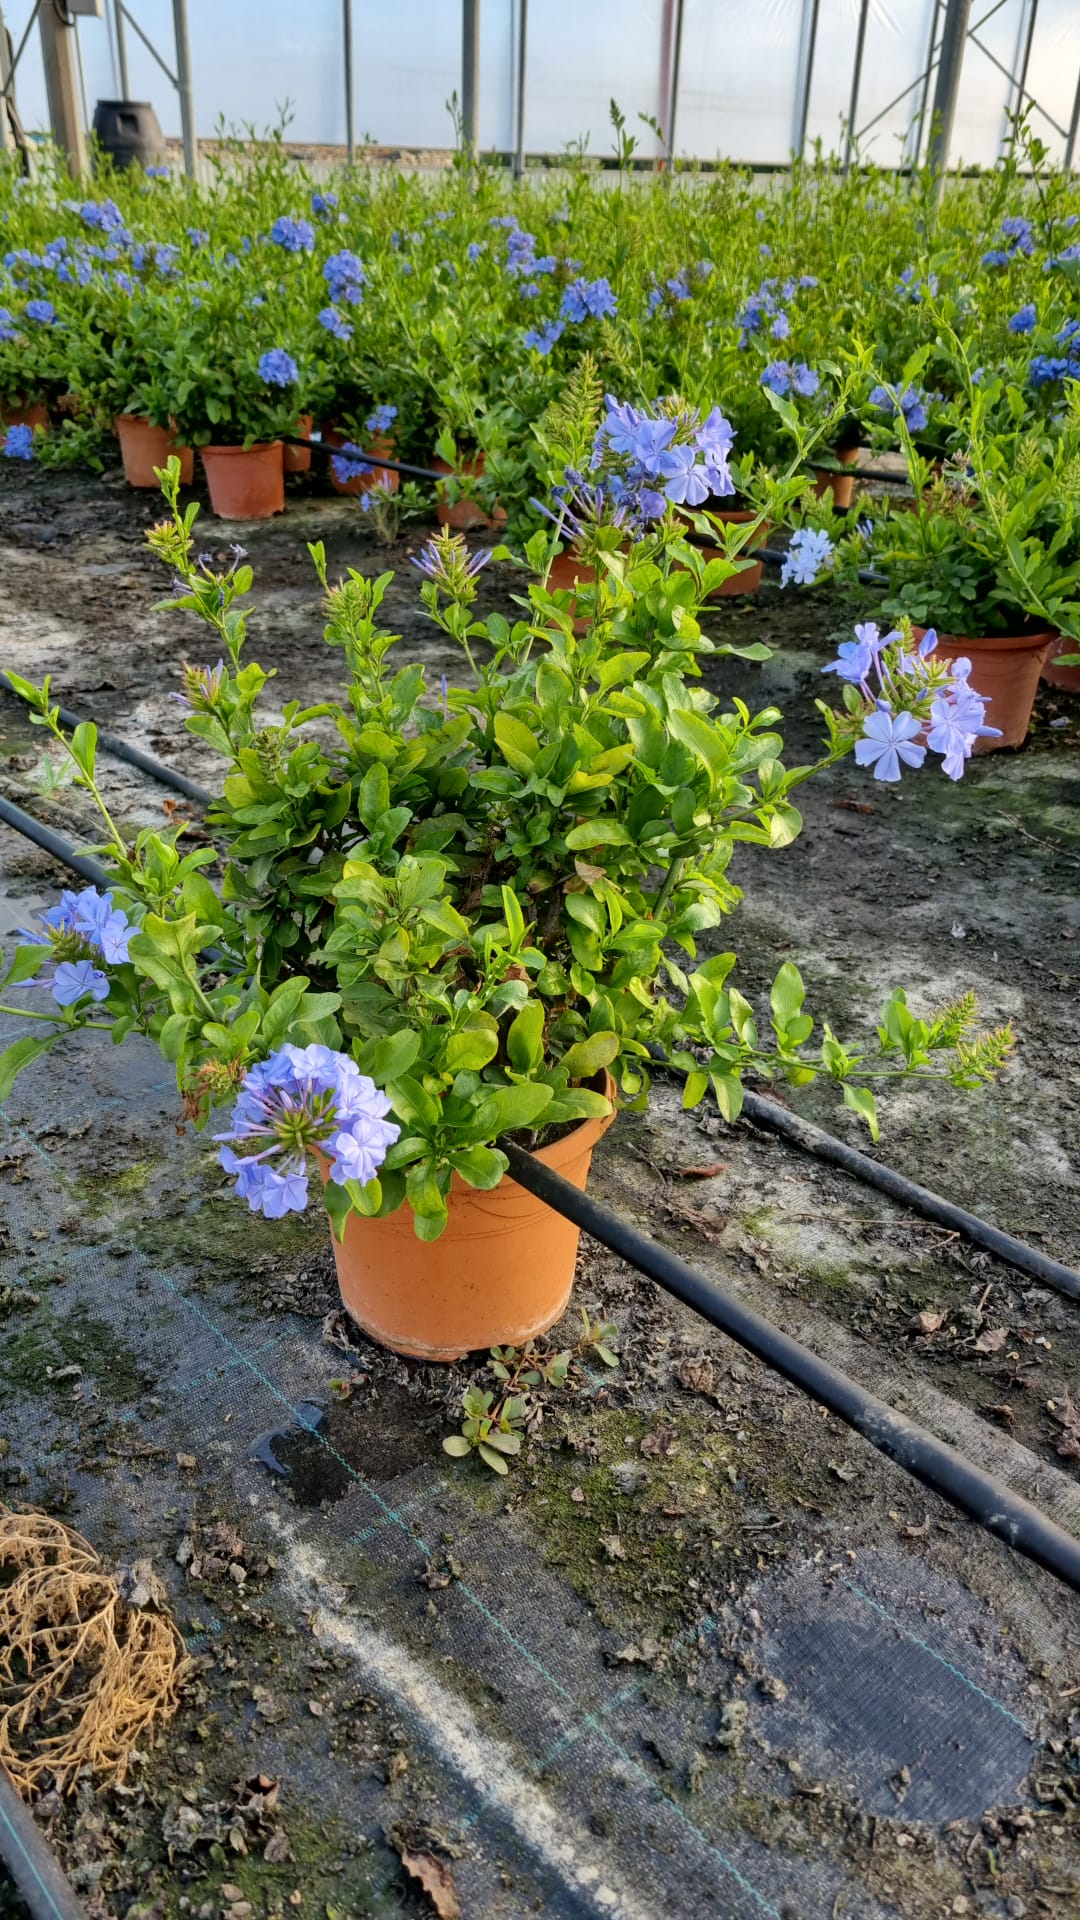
(464,515)
(840,485)
(246,483)
(1005,670)
(144,447)
(1065,679)
(298,459)
(377,443)
(33,415)
(499,1275)
(748,579)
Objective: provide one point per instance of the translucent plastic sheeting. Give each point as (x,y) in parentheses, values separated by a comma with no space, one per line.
(740,71)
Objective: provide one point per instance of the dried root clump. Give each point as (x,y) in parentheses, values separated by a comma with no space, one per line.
(84,1675)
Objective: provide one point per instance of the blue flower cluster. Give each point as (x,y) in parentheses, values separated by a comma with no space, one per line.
(335,323)
(588,300)
(764,311)
(648,461)
(324,205)
(912,404)
(1049,368)
(919,703)
(81,929)
(19,443)
(295,236)
(1024,320)
(808,551)
(1019,243)
(304,1101)
(278,368)
(381,419)
(787,376)
(345,277)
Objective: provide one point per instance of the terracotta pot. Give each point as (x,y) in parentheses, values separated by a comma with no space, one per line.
(465,514)
(144,447)
(840,485)
(377,443)
(33,416)
(1065,679)
(1005,670)
(500,1274)
(246,483)
(298,459)
(568,571)
(749,579)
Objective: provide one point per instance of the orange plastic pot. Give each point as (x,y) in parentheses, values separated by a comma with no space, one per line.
(380,443)
(1005,670)
(246,483)
(840,485)
(1065,679)
(298,459)
(35,415)
(499,1275)
(465,514)
(144,447)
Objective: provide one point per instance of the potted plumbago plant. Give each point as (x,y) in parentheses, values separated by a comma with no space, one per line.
(987,554)
(234,391)
(449,914)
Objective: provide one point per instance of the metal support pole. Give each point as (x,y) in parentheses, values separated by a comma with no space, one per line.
(183,87)
(522,55)
(953,37)
(350,131)
(856,78)
(470,72)
(673,102)
(1017,91)
(123,81)
(802,111)
(7,138)
(1074,129)
(62,85)
(931,56)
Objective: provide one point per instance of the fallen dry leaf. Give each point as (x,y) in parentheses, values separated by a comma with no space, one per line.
(437,1881)
(276,1850)
(187,1462)
(613,1546)
(662,1441)
(854,806)
(991,1341)
(1068,1443)
(697,1375)
(929,1322)
(707,1172)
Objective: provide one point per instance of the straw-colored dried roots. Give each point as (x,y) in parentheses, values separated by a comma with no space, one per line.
(83,1674)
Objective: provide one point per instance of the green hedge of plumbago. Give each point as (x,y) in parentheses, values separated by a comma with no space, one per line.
(456,310)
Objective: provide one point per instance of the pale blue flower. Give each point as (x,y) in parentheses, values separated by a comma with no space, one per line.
(887,740)
(808,551)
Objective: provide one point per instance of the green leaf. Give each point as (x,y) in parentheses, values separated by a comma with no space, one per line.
(28,960)
(482,1167)
(862,1102)
(787,995)
(598,833)
(470,1049)
(457,1445)
(412,1102)
(518,746)
(284,1002)
(507,1108)
(584,1060)
(728,1090)
(492,1459)
(525,1039)
(395,1054)
(20,1054)
(83,745)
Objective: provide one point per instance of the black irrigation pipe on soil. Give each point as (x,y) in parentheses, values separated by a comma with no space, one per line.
(919,1453)
(53,843)
(31,1863)
(874,1173)
(371,459)
(135,757)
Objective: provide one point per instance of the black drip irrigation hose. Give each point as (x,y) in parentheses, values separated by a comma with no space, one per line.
(874,1173)
(135,757)
(53,843)
(31,1864)
(369,459)
(938,1466)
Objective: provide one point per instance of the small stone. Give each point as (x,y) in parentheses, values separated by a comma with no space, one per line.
(1015,1907)
(187,1462)
(230,1892)
(961,1904)
(295,1897)
(577,1496)
(316,1707)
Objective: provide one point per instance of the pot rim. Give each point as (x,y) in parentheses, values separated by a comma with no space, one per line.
(994,642)
(257,446)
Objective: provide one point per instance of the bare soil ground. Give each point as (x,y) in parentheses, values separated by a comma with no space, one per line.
(703,1651)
